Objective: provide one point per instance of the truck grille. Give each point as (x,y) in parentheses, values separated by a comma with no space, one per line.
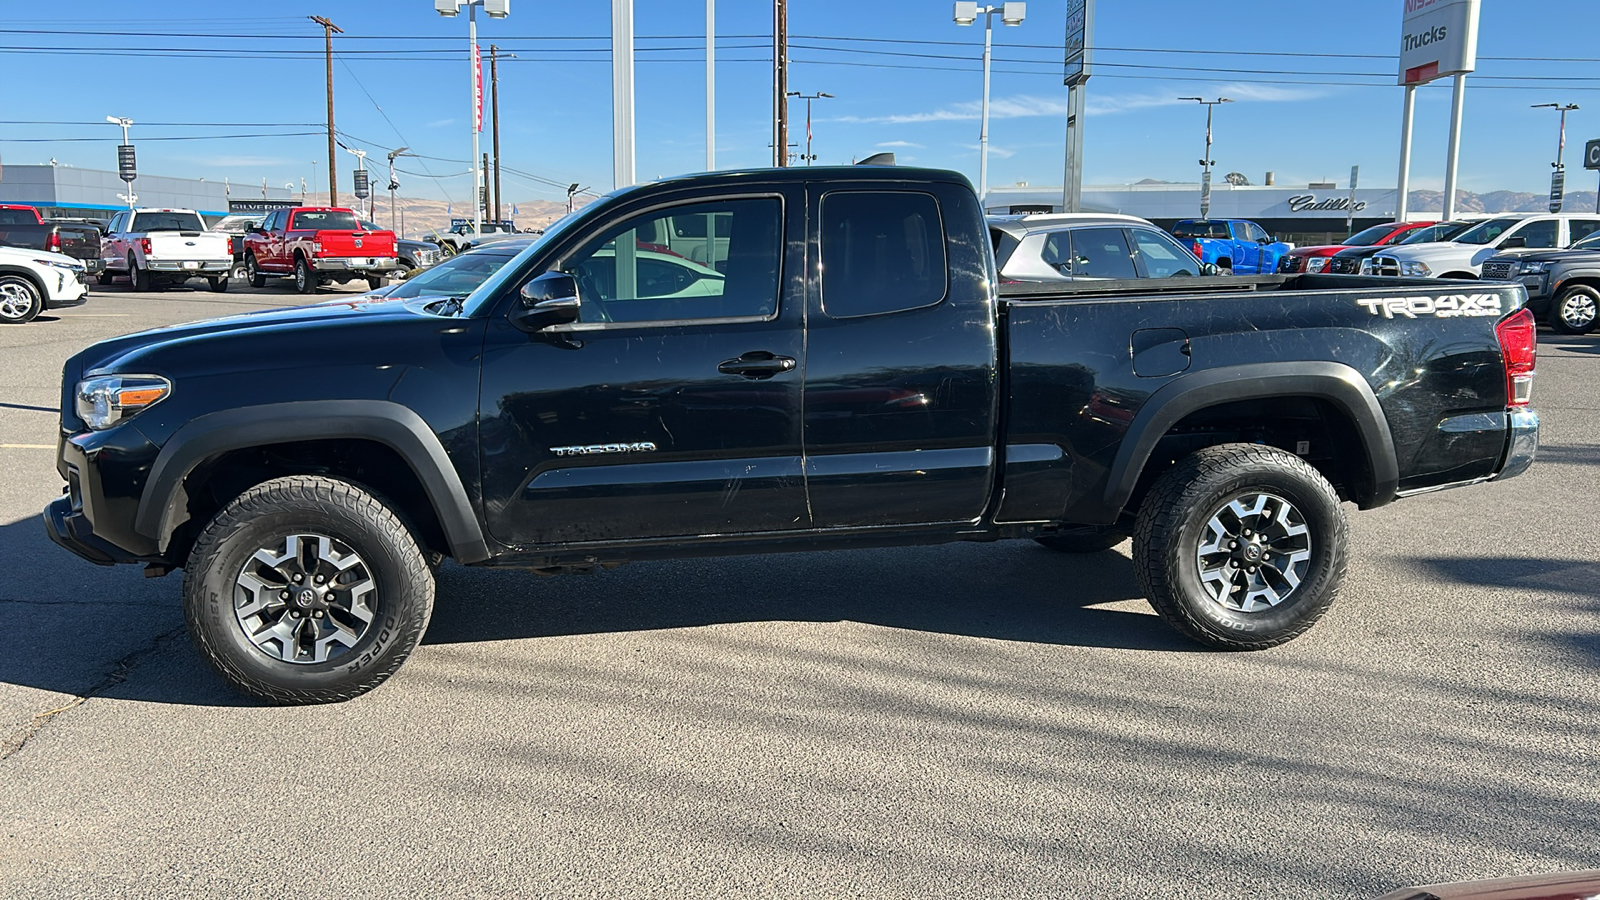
(1341,265)
(1386,265)
(1291,264)
(1498,271)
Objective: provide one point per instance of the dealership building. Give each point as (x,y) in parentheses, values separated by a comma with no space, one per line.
(68,192)
(1305,214)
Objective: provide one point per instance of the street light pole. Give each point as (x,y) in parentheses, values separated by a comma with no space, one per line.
(127,177)
(393,184)
(496,9)
(1559,178)
(809,156)
(1207,162)
(966,14)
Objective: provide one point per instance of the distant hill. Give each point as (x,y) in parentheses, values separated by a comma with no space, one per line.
(424,216)
(1503,201)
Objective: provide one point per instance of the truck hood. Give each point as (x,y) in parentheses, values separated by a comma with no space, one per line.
(19,256)
(1320,250)
(1561,256)
(1446,251)
(275,325)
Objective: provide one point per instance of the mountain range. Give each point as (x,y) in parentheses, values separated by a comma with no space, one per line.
(1503,202)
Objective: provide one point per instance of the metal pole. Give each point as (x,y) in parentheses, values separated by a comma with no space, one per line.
(1205,171)
(1453,155)
(494,108)
(1072,192)
(1403,200)
(328,29)
(808,129)
(983,127)
(711,85)
(622,170)
(472,117)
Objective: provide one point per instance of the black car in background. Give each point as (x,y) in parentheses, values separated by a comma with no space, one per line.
(1353,260)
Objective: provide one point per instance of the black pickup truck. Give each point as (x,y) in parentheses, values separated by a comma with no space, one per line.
(22,228)
(773,360)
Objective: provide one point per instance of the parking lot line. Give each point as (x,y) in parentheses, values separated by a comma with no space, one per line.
(27,446)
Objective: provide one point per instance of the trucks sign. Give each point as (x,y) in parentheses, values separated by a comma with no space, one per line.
(1437,38)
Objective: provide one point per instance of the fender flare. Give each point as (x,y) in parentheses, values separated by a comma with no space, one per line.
(33,279)
(1334,382)
(386,422)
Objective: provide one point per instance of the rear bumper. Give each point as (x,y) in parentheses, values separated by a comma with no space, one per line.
(191,266)
(355,264)
(1522,444)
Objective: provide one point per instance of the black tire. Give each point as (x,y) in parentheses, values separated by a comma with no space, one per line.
(257,280)
(1085,538)
(20,300)
(104,278)
(304,281)
(265,516)
(1175,519)
(1576,311)
(374,282)
(219,285)
(137,277)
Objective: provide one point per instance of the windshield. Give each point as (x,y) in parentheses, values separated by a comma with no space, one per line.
(457,276)
(1368,237)
(491,288)
(1592,242)
(1440,232)
(1486,232)
(1189,229)
(166,221)
(236,224)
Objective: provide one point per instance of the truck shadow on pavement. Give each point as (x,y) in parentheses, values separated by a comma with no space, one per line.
(84,630)
(1537,580)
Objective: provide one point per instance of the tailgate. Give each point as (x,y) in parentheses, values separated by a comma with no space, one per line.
(355,243)
(80,243)
(188,245)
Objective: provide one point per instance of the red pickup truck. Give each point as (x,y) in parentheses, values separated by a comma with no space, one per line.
(316,245)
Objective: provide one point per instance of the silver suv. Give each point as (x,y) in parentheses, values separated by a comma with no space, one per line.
(1077,246)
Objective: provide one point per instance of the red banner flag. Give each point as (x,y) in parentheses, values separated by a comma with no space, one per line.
(477,88)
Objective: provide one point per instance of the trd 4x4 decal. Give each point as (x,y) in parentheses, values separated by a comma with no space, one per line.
(1444,306)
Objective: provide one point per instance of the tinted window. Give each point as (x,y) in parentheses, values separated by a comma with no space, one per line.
(1101,253)
(882,252)
(1443,231)
(625,275)
(1540,234)
(1582,228)
(1369,237)
(166,221)
(1057,251)
(1004,246)
(1162,257)
(16,217)
(1486,232)
(326,220)
(1592,242)
(454,277)
(1193,229)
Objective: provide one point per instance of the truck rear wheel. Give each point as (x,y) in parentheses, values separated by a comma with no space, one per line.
(1241,546)
(220,285)
(1085,538)
(306,589)
(304,281)
(1574,312)
(104,278)
(137,277)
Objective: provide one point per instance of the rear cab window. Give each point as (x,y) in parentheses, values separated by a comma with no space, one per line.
(324,220)
(1189,228)
(166,221)
(882,252)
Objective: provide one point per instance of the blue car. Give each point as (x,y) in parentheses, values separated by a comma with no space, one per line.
(1234,246)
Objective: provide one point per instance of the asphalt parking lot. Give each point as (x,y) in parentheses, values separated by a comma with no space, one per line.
(971,720)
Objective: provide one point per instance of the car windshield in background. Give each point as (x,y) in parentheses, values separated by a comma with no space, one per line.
(325,220)
(1592,242)
(1201,230)
(1443,231)
(237,224)
(1486,232)
(1368,237)
(456,276)
(166,221)
(16,217)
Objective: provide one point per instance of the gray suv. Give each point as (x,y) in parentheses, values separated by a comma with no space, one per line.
(1563,285)
(1080,246)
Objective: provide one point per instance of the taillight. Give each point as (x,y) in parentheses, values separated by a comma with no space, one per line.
(1196,249)
(1519,344)
(231,251)
(144,244)
(53,242)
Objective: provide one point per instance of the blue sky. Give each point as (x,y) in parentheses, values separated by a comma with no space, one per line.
(905,76)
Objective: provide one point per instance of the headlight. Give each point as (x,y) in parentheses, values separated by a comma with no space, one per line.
(1415,269)
(1534,268)
(70,267)
(1316,263)
(105,400)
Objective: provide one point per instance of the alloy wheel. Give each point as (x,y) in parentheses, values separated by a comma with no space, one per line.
(16,300)
(1254,552)
(306,599)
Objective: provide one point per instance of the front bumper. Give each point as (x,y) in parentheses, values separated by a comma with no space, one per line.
(355,263)
(1523,443)
(71,529)
(191,266)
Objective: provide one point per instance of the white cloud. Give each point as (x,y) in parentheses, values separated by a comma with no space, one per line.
(1002,108)
(1000,152)
(898,144)
(440,123)
(1025,106)
(1110,104)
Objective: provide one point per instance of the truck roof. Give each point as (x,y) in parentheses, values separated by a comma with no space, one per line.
(320,209)
(812,173)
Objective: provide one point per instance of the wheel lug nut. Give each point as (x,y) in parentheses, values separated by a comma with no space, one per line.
(299,578)
(317,614)
(1247,532)
(295,613)
(319,579)
(1233,545)
(283,595)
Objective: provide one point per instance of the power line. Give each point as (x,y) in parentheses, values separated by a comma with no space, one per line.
(178,137)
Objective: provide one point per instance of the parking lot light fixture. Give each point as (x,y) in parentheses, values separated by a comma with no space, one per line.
(809,156)
(1206,162)
(967,13)
(1561,144)
(496,9)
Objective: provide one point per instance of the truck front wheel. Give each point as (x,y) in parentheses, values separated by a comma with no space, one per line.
(1575,310)
(139,278)
(306,589)
(304,281)
(1241,546)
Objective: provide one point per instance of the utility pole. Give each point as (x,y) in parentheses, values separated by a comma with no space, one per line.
(780,81)
(483,192)
(1207,162)
(328,30)
(494,110)
(711,85)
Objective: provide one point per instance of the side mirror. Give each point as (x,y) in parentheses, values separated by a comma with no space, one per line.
(550,299)
(1514,242)
(1209,269)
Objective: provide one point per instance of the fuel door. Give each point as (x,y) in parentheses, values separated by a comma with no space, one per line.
(1159,352)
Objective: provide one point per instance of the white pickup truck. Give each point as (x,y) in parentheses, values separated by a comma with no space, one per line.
(157,248)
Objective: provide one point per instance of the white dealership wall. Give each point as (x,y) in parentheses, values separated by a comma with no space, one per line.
(95,190)
(1319,207)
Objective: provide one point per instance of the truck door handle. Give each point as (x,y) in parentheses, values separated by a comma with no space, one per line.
(756,364)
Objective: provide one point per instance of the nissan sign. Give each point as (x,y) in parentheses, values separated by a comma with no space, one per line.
(1437,38)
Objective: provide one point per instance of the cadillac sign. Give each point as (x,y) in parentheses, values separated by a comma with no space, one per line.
(1305,203)
(1437,38)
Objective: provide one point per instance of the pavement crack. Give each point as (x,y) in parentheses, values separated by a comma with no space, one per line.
(120,670)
